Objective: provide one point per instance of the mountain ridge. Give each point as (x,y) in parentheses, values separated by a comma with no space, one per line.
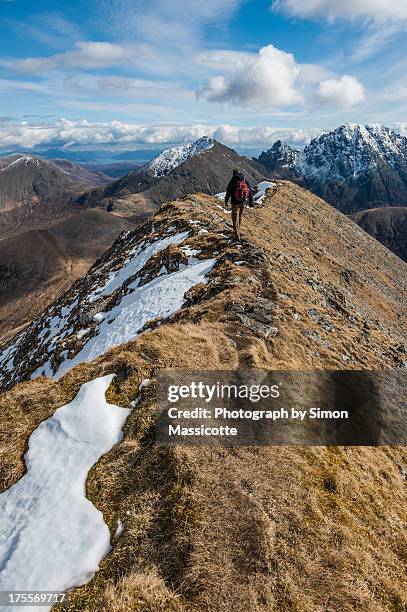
(221,528)
(179,242)
(204,165)
(353,167)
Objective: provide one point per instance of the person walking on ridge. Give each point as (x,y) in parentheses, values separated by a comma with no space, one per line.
(238,192)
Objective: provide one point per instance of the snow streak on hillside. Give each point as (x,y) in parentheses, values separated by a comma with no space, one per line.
(169,159)
(138,281)
(53,538)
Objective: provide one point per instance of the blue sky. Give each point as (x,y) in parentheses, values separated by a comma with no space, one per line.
(134,74)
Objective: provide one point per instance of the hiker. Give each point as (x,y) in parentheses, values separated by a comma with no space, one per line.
(238,192)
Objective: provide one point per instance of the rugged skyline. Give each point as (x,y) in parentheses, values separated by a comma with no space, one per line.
(123,74)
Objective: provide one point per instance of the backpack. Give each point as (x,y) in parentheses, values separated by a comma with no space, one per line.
(242,192)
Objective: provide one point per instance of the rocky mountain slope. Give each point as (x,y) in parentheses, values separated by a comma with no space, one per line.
(37,265)
(47,241)
(111,304)
(218,528)
(84,175)
(31,183)
(354,167)
(32,188)
(204,165)
(387,225)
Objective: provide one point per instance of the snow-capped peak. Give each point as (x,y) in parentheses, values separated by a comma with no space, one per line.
(349,151)
(24,160)
(169,159)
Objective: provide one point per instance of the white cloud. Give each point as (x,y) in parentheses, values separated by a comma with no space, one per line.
(50,28)
(274,79)
(381,20)
(169,23)
(267,79)
(263,137)
(343,93)
(397,93)
(10,85)
(87,54)
(345,9)
(401,128)
(117,134)
(375,37)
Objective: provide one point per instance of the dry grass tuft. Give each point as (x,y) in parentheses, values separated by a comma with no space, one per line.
(276,529)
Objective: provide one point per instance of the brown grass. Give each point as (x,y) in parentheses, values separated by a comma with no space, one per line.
(259,529)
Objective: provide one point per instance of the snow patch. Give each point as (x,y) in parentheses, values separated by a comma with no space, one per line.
(158,299)
(82,332)
(221,196)
(146,382)
(53,538)
(119,530)
(134,263)
(262,190)
(24,160)
(225,210)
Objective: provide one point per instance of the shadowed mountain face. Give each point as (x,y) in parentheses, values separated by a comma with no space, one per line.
(37,265)
(203,166)
(355,167)
(84,175)
(388,226)
(47,241)
(33,189)
(31,183)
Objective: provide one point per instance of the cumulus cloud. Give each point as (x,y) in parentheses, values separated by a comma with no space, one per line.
(401,128)
(121,135)
(87,54)
(343,93)
(274,79)
(269,78)
(263,137)
(346,9)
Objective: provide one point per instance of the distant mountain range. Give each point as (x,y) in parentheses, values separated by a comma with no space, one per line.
(30,186)
(79,173)
(91,156)
(354,167)
(349,167)
(204,165)
(114,170)
(47,241)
